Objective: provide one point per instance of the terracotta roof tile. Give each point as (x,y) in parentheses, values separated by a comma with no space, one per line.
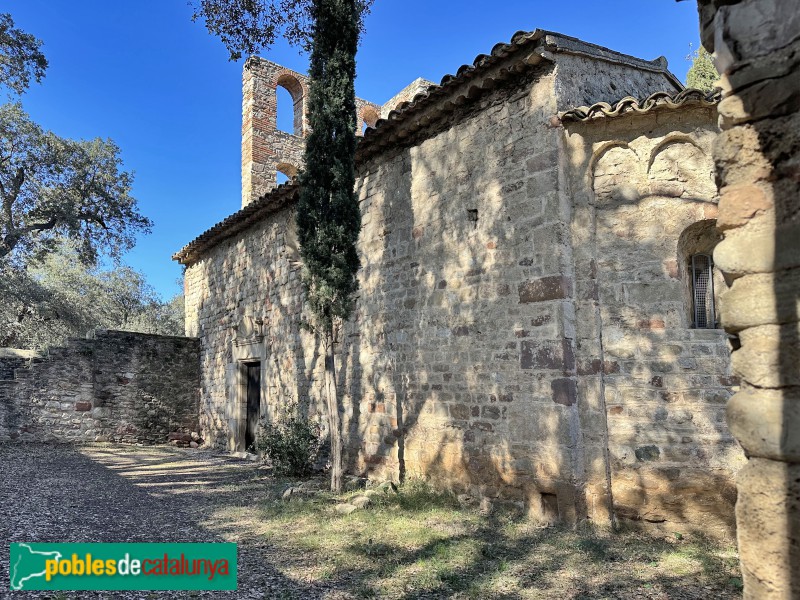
(630,105)
(404,120)
(269,203)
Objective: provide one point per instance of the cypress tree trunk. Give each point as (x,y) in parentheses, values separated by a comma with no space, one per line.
(334,423)
(328,215)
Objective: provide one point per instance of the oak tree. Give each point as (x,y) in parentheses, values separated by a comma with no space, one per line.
(52,188)
(21,57)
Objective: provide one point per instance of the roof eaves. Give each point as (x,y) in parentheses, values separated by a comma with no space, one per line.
(485,72)
(269,203)
(452,91)
(631,105)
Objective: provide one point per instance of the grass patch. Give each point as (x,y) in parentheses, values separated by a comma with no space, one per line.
(421,543)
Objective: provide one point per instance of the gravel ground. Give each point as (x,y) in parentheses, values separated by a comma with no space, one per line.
(108,493)
(103,493)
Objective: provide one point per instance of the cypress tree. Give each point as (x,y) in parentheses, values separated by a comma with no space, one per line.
(328,214)
(703,74)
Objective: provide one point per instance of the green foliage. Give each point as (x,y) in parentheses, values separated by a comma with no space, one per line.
(21,59)
(59,297)
(53,188)
(63,204)
(292,443)
(702,75)
(247,27)
(328,215)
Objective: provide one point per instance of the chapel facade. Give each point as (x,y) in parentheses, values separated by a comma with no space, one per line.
(537,320)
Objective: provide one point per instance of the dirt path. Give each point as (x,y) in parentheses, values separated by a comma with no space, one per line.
(117,494)
(413,545)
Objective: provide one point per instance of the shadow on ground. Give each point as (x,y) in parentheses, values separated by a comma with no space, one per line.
(417,544)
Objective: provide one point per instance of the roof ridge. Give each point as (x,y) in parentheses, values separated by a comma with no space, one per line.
(386,131)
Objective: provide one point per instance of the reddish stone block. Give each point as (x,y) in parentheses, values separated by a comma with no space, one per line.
(547,355)
(728,380)
(671,267)
(610,367)
(589,367)
(83,406)
(565,391)
(652,324)
(555,287)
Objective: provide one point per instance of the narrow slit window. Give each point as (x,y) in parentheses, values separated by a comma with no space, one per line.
(703,291)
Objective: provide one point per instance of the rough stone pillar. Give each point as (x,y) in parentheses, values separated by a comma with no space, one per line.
(756,44)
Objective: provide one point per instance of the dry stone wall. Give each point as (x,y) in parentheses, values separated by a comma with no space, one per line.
(116,386)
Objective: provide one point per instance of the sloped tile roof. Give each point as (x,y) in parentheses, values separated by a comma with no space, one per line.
(630,105)
(528,48)
(274,200)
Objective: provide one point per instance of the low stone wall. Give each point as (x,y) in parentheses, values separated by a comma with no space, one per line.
(118,386)
(12,359)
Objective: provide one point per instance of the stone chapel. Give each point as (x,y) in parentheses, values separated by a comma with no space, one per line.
(536,322)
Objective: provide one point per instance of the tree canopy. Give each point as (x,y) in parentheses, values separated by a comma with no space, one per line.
(328,215)
(59,297)
(64,204)
(52,188)
(702,75)
(247,27)
(21,58)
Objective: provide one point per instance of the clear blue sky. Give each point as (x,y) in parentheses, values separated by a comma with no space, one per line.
(141,73)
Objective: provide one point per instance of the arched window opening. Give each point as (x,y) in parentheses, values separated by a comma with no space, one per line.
(370,117)
(285,172)
(701,267)
(289,104)
(702,282)
(285,108)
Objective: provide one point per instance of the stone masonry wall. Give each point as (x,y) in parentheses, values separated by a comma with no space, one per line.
(12,359)
(117,386)
(644,200)
(460,362)
(455,354)
(756,45)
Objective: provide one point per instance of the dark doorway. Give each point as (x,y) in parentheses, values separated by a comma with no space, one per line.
(253,371)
